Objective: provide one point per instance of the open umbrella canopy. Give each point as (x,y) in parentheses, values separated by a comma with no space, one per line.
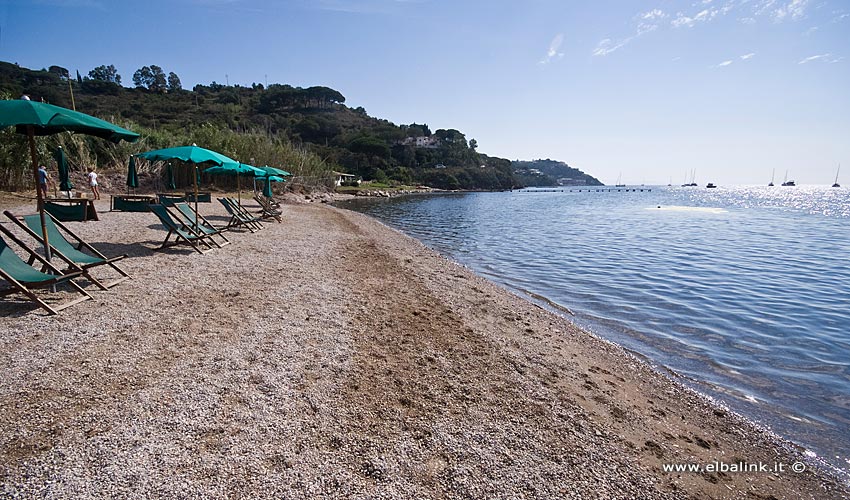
(47,119)
(241,169)
(190,154)
(65,183)
(132,175)
(37,118)
(275,178)
(274,171)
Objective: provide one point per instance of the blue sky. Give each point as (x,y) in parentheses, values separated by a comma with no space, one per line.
(652,89)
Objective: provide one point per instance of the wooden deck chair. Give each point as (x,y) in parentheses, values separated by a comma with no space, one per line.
(71,253)
(181,232)
(272,202)
(244,213)
(239,217)
(188,216)
(267,209)
(24,278)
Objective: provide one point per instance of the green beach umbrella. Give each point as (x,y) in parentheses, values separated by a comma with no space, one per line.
(190,154)
(271,171)
(169,177)
(267,188)
(239,170)
(132,176)
(274,171)
(65,183)
(37,118)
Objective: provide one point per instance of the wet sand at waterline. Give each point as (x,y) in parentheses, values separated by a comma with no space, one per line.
(332,356)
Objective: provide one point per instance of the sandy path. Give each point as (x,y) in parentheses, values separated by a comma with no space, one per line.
(332,356)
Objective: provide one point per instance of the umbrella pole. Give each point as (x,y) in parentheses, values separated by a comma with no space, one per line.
(196,194)
(38,194)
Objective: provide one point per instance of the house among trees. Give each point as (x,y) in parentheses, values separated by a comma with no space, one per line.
(422,141)
(344,178)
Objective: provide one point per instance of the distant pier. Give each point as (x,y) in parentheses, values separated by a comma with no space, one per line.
(589,190)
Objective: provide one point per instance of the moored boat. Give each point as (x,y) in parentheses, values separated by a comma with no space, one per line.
(786,182)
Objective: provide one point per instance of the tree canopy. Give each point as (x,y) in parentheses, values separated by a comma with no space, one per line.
(105,74)
(314,118)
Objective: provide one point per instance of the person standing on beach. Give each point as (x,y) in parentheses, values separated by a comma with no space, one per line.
(92,178)
(43,180)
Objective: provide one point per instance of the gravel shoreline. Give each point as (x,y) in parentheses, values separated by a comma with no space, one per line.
(331,356)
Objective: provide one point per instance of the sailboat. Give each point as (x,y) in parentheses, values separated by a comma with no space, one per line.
(786,182)
(772,176)
(618,184)
(836,184)
(693,176)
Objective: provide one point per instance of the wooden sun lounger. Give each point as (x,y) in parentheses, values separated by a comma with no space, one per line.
(188,216)
(239,217)
(181,232)
(71,253)
(23,278)
(268,210)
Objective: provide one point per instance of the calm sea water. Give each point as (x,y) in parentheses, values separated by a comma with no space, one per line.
(743,293)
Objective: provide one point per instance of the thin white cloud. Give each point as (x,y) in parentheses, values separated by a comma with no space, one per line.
(811,30)
(819,57)
(554,46)
(748,56)
(724,63)
(608,46)
(702,16)
(646,22)
(653,14)
(794,10)
(840,16)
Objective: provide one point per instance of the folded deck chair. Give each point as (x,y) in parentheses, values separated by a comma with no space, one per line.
(188,216)
(268,210)
(263,200)
(24,278)
(239,216)
(71,253)
(181,232)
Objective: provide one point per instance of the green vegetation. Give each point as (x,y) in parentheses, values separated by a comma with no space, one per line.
(551,173)
(307,131)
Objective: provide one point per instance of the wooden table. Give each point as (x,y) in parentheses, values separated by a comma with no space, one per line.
(71,209)
(203,196)
(131,202)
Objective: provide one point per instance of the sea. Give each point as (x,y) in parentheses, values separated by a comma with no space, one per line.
(742,293)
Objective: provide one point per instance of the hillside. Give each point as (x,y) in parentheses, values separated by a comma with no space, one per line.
(309,131)
(551,173)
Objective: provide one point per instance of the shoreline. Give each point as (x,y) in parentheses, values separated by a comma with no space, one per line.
(332,355)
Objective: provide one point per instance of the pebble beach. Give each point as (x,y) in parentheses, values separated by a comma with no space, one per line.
(330,356)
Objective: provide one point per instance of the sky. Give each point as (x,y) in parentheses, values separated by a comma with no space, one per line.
(647,90)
